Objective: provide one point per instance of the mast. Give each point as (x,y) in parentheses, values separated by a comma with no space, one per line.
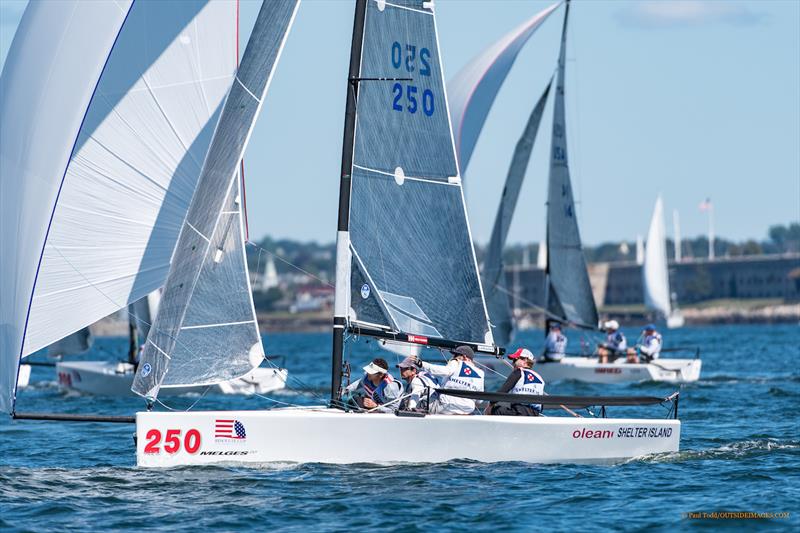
(341,304)
(133,335)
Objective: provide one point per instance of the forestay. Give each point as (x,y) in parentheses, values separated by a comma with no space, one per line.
(655,277)
(569,292)
(473,90)
(206,331)
(413,265)
(493,272)
(107,111)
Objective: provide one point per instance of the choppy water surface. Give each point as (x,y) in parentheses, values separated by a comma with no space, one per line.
(740,451)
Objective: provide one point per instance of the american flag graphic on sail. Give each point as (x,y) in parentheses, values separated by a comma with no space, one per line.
(229,429)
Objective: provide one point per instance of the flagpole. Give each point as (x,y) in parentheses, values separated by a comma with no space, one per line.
(710,232)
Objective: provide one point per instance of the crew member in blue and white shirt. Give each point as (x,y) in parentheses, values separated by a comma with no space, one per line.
(650,348)
(460,373)
(377,390)
(616,344)
(420,389)
(523,380)
(555,345)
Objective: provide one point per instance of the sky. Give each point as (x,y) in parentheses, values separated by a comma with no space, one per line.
(687,98)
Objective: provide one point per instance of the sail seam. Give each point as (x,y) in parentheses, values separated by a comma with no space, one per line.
(248,90)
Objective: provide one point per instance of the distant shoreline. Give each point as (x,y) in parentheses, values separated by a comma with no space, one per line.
(705,314)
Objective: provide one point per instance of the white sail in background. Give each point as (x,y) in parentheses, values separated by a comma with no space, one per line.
(73,344)
(206,330)
(541,255)
(639,250)
(655,277)
(107,112)
(473,89)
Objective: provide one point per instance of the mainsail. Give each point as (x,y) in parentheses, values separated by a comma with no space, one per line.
(410,262)
(472,91)
(106,113)
(206,330)
(569,294)
(655,277)
(493,271)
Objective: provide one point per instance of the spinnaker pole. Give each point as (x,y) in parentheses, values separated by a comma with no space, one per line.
(342,294)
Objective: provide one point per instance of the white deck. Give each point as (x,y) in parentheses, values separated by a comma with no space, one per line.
(588,369)
(323,435)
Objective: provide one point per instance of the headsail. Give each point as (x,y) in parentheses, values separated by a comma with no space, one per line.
(569,293)
(76,343)
(413,265)
(493,272)
(107,111)
(472,91)
(206,331)
(655,278)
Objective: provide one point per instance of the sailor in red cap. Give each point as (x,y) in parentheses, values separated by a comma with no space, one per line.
(523,380)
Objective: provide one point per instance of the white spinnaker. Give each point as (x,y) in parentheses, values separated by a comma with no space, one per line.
(655,278)
(107,110)
(473,89)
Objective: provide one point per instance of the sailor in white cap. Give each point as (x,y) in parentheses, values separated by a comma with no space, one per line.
(650,347)
(523,380)
(555,344)
(615,345)
(377,390)
(460,373)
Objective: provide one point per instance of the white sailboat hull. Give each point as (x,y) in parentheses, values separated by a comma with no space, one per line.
(24,376)
(588,369)
(321,435)
(105,378)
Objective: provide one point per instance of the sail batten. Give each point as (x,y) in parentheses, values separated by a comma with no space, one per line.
(208,282)
(569,293)
(412,261)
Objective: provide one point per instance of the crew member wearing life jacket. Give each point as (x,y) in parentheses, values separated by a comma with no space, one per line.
(377,390)
(616,344)
(460,373)
(523,380)
(420,387)
(650,348)
(555,345)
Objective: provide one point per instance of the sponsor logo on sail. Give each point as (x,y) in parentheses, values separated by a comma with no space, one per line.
(365,291)
(146,369)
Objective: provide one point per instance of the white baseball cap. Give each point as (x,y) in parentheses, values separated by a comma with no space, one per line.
(372,368)
(611,324)
(522,353)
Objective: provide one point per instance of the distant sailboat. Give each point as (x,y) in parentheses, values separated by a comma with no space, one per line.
(655,273)
(639,250)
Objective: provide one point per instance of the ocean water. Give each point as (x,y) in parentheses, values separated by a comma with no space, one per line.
(740,452)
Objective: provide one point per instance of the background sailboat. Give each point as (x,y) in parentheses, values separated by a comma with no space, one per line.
(655,273)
